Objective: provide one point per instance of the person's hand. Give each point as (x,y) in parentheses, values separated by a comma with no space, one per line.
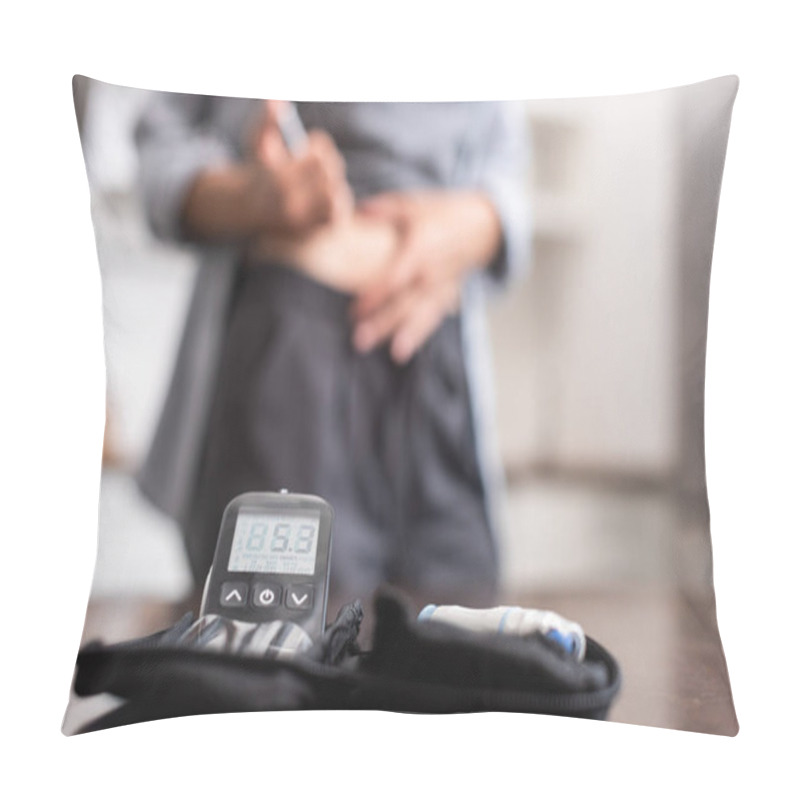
(271,192)
(442,236)
(299,191)
(348,255)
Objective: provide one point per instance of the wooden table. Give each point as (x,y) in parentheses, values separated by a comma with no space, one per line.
(674,673)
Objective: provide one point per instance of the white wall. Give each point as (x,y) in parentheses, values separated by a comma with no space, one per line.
(585,347)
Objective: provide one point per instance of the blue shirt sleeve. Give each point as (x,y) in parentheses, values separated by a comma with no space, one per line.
(502,173)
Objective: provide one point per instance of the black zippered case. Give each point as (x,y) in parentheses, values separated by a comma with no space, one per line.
(412,666)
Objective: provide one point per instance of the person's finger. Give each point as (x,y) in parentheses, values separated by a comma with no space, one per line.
(400,273)
(313,206)
(274,109)
(343,202)
(414,331)
(311,194)
(267,142)
(252,132)
(389,205)
(421,322)
(377,328)
(335,180)
(322,145)
(271,149)
(324,172)
(324,159)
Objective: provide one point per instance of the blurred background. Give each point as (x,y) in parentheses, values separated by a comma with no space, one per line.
(598,360)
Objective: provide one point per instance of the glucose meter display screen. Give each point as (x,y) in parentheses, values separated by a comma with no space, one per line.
(283,542)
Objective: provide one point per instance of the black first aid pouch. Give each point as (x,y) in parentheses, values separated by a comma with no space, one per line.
(412,666)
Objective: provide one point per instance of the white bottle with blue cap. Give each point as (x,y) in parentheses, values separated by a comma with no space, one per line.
(512,621)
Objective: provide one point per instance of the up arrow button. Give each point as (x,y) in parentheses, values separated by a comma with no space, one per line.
(233,594)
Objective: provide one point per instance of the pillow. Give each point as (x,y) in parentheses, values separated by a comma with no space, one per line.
(476,331)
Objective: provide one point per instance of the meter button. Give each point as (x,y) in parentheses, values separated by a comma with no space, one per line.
(266,595)
(233,594)
(300,596)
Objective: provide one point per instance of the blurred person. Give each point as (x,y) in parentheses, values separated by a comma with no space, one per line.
(335,341)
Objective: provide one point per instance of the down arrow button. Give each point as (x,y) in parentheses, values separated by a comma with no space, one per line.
(300,596)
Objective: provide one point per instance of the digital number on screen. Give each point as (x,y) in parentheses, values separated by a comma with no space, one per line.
(284,543)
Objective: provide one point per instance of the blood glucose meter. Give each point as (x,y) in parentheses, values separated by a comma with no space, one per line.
(272,561)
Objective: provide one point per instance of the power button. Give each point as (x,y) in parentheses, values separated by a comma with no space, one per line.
(266,595)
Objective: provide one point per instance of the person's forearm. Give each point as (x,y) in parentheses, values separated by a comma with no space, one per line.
(228,203)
